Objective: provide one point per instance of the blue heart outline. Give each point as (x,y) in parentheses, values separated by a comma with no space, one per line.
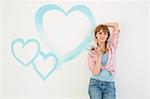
(45,56)
(75,52)
(19,40)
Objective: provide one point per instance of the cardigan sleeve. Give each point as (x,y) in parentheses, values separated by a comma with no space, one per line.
(115,38)
(91,59)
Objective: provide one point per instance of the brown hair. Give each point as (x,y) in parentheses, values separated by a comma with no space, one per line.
(105,29)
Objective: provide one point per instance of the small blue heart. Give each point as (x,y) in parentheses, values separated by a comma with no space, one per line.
(45,57)
(83,45)
(23,45)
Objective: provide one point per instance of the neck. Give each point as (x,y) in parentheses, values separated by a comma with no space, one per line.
(102,47)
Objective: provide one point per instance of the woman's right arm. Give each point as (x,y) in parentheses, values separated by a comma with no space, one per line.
(93,62)
(97,67)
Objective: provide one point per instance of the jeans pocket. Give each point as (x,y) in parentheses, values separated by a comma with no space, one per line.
(112,86)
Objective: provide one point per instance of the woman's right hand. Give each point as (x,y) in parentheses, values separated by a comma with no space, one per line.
(94,64)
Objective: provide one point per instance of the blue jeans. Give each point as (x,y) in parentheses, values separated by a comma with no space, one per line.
(101,89)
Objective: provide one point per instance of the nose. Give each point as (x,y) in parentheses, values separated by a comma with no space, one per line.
(102,36)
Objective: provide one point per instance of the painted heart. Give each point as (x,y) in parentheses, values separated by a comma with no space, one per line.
(45,64)
(25,52)
(77,50)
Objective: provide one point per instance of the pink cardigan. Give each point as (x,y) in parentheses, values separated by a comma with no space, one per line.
(111,45)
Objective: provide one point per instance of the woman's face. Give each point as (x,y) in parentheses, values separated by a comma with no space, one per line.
(101,36)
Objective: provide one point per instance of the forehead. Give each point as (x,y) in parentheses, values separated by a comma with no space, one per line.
(102,31)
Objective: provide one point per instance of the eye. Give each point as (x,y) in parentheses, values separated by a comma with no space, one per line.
(105,33)
(100,32)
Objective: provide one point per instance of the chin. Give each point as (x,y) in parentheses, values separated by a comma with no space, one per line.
(101,41)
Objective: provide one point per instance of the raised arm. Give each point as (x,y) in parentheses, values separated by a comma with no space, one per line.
(115,32)
(113,25)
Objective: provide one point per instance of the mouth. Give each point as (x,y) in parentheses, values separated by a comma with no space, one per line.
(101,38)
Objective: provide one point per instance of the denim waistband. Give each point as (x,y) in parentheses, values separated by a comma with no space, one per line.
(102,81)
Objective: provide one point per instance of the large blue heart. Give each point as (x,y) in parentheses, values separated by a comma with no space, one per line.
(83,45)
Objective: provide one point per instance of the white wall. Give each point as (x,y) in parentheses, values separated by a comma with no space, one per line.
(71,79)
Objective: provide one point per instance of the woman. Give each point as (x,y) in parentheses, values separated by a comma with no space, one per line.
(101,61)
